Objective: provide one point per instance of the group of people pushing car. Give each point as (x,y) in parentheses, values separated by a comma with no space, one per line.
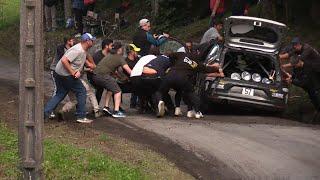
(145,73)
(149,75)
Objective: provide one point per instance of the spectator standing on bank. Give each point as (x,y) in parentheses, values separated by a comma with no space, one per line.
(144,39)
(240,7)
(50,14)
(79,11)
(89,5)
(217,10)
(213,33)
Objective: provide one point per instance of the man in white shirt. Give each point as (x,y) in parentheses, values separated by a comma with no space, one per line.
(213,33)
(136,77)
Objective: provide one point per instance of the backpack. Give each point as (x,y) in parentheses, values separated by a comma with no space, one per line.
(88,2)
(50,3)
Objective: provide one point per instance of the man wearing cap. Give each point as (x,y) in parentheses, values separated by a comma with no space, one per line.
(103,77)
(306,52)
(124,77)
(305,62)
(68,72)
(144,39)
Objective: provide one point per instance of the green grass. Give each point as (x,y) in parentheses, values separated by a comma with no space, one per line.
(63,161)
(9,12)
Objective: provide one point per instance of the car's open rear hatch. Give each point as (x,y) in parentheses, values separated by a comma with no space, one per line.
(254,33)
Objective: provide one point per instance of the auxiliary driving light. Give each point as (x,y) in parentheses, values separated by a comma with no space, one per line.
(235,76)
(256,77)
(246,76)
(266,81)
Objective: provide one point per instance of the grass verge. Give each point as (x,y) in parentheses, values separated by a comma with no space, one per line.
(9,12)
(63,161)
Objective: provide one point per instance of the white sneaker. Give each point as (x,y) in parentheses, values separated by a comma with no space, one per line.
(52,115)
(177,111)
(161,109)
(191,114)
(84,120)
(198,115)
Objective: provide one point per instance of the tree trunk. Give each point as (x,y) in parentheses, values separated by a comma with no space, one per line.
(155,7)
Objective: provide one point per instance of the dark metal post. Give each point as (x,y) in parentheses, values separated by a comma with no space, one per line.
(31,89)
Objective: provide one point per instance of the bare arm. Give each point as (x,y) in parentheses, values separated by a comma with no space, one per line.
(283,56)
(289,65)
(90,62)
(127,68)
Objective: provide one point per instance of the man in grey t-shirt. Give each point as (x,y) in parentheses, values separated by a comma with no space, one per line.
(61,49)
(68,72)
(213,33)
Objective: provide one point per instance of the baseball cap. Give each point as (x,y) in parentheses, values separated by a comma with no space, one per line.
(295,41)
(87,37)
(143,22)
(133,47)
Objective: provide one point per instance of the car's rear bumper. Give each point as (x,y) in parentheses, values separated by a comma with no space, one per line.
(243,100)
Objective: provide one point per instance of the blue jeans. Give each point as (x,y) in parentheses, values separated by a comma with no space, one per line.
(64,85)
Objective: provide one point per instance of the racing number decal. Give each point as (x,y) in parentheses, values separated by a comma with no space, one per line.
(247,91)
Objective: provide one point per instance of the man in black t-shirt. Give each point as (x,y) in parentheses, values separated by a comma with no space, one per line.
(179,78)
(123,80)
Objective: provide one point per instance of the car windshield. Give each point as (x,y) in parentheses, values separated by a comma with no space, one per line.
(254,32)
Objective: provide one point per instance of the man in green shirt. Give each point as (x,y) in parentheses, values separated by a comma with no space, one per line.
(103,77)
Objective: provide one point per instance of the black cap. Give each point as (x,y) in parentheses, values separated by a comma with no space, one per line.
(295,41)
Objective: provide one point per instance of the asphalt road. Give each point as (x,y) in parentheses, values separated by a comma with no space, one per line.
(224,146)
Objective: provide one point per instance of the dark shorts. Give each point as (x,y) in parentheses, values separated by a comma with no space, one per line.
(107,82)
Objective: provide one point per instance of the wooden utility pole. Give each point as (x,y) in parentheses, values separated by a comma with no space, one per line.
(31,89)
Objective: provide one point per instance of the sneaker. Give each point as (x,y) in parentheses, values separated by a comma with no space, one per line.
(97,114)
(177,111)
(52,115)
(84,120)
(107,111)
(118,114)
(198,115)
(161,109)
(191,114)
